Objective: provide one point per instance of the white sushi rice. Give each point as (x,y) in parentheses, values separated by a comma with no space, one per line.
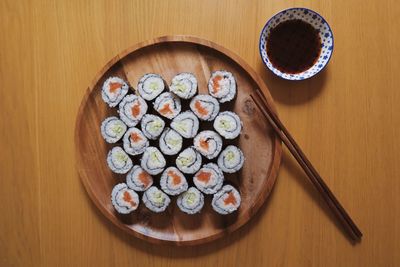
(134,181)
(228,124)
(150,86)
(173,182)
(188,161)
(135,142)
(222,85)
(208,143)
(153,161)
(168,105)
(191,201)
(186,124)
(170,142)
(205,107)
(184,85)
(214,181)
(231,159)
(218,203)
(112,129)
(152,126)
(127,107)
(118,160)
(155,199)
(113,90)
(123,199)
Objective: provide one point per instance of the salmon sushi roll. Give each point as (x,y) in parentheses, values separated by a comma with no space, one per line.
(205,107)
(153,161)
(131,109)
(170,142)
(138,179)
(209,179)
(208,143)
(227,200)
(184,85)
(152,126)
(118,161)
(113,91)
(168,105)
(123,199)
(173,182)
(150,86)
(228,124)
(191,201)
(112,129)
(186,124)
(155,199)
(222,86)
(135,142)
(231,159)
(188,161)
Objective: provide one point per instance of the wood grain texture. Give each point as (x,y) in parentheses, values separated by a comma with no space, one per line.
(346,120)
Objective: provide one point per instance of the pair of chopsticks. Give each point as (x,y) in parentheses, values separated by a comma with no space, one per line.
(337,209)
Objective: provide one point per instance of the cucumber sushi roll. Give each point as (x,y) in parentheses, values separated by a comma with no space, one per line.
(170,142)
(168,105)
(123,199)
(173,182)
(188,161)
(155,199)
(131,109)
(228,124)
(153,161)
(208,143)
(150,86)
(138,179)
(191,201)
(222,85)
(231,159)
(112,129)
(152,126)
(209,179)
(113,90)
(205,107)
(135,142)
(227,200)
(184,85)
(186,124)
(118,160)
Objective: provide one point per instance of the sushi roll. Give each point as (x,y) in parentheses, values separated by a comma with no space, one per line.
(222,85)
(226,201)
(138,179)
(131,109)
(228,124)
(112,129)
(113,90)
(170,142)
(231,159)
(184,85)
(188,161)
(123,199)
(209,179)
(155,199)
(152,126)
(186,124)
(168,105)
(153,161)
(173,182)
(118,161)
(205,107)
(135,142)
(150,86)
(191,201)
(208,143)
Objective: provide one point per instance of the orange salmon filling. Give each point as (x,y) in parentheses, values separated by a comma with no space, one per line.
(114,86)
(135,110)
(144,177)
(200,109)
(216,80)
(128,198)
(230,199)
(135,137)
(165,109)
(176,179)
(204,176)
(204,144)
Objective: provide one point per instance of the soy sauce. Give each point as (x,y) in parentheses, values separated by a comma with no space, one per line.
(293,46)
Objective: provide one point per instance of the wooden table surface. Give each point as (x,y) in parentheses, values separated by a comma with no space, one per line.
(347,120)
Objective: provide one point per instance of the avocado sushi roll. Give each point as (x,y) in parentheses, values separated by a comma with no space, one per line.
(131,109)
(153,161)
(205,107)
(184,85)
(231,159)
(113,91)
(191,201)
(186,124)
(228,124)
(208,143)
(155,199)
(209,179)
(227,200)
(150,86)
(188,161)
(123,199)
(152,126)
(167,105)
(222,85)
(112,129)
(170,142)
(138,179)
(118,160)
(173,182)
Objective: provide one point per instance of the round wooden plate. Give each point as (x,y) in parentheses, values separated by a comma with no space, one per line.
(168,56)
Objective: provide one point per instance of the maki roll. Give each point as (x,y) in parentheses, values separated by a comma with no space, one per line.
(184,85)
(123,199)
(138,179)
(153,161)
(173,182)
(191,201)
(170,142)
(231,159)
(222,85)
(118,160)
(186,124)
(113,90)
(208,143)
(228,124)
(168,105)
(131,109)
(188,161)
(155,199)
(150,86)
(209,179)
(112,129)
(152,126)
(135,143)
(227,200)
(205,107)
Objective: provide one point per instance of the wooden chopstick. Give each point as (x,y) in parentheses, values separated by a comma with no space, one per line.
(312,174)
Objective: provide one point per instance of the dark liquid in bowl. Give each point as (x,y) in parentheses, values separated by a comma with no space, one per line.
(293,46)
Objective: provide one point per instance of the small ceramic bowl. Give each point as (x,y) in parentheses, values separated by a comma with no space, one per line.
(315,20)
